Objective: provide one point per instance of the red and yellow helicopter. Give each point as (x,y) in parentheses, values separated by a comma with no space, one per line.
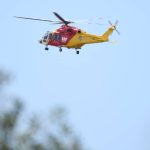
(70,36)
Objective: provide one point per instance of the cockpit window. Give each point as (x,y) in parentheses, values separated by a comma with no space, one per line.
(56,37)
(52,36)
(46,35)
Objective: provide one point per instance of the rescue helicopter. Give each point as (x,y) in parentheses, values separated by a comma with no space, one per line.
(70,36)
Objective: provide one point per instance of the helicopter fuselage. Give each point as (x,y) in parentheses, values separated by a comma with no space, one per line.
(69,37)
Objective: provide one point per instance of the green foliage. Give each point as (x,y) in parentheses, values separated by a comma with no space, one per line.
(52,133)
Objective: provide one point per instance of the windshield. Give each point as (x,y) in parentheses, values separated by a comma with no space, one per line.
(52,36)
(46,35)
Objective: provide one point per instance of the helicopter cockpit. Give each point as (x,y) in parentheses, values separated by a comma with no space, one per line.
(46,36)
(51,36)
(44,39)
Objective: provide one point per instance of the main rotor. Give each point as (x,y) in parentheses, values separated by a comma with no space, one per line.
(61,19)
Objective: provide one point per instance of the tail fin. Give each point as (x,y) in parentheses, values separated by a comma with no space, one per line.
(110,30)
(108,33)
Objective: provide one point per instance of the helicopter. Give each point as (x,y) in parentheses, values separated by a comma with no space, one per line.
(70,36)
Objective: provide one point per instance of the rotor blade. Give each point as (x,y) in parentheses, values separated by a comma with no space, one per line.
(58,22)
(59,17)
(110,22)
(116,22)
(94,23)
(62,19)
(36,19)
(88,20)
(117,31)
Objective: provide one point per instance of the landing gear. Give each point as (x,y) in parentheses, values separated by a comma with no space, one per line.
(77,52)
(60,49)
(46,48)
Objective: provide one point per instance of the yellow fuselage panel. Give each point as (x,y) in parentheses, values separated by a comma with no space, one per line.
(84,38)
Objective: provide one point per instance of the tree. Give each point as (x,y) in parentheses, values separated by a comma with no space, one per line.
(8,116)
(54,134)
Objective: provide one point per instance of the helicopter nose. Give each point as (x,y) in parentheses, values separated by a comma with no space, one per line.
(40,41)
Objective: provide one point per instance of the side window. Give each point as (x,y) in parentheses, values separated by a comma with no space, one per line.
(46,35)
(56,37)
(50,36)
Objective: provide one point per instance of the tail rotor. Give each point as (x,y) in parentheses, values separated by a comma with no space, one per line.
(113,26)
